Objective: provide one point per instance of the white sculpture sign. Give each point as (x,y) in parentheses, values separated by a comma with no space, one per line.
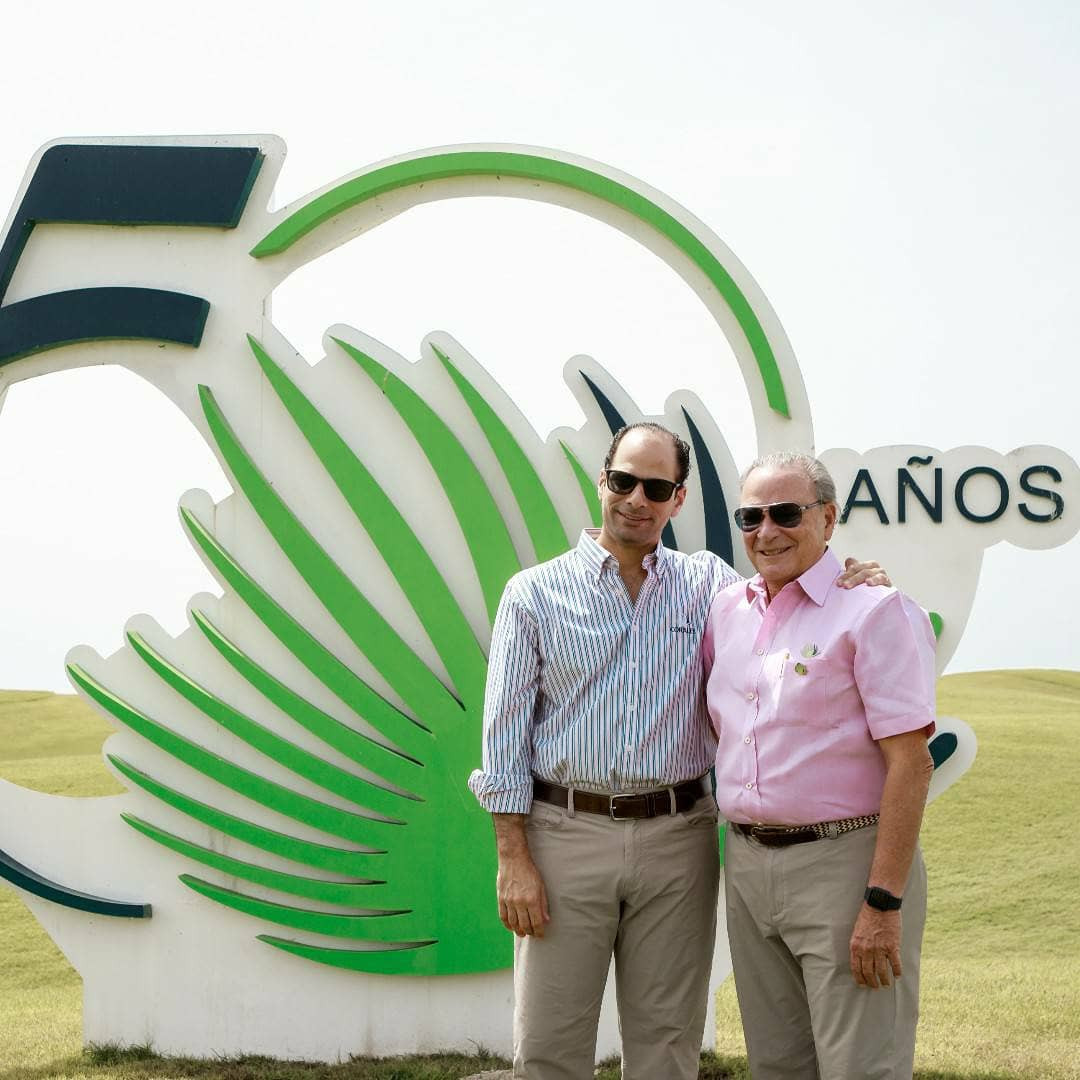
(297,868)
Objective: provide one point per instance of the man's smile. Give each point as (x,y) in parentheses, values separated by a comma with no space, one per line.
(772,552)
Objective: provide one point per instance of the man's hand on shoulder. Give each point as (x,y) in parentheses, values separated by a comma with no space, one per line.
(523,906)
(861,573)
(875,947)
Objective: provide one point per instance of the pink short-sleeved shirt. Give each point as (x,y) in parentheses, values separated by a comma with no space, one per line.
(799,691)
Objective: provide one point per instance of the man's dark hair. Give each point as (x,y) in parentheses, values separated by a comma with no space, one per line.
(682,451)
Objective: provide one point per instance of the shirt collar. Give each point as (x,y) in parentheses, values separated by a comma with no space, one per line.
(596,557)
(815,582)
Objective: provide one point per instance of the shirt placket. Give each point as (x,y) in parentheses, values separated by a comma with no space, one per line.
(625,768)
(763,670)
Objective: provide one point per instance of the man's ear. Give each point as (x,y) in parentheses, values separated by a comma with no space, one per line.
(679,498)
(831,510)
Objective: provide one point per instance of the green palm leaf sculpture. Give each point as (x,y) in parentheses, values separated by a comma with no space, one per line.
(405,816)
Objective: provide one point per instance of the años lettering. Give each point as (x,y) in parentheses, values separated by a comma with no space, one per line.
(977,501)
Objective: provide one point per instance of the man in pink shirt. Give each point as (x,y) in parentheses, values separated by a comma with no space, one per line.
(822,700)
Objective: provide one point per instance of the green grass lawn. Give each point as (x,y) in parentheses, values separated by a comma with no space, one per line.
(1001,978)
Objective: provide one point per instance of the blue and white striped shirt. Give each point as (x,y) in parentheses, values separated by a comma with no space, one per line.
(588,690)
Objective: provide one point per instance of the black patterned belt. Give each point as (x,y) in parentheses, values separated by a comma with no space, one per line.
(676,799)
(782,835)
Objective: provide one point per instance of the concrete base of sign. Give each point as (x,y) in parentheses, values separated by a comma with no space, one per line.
(193,980)
(282,1007)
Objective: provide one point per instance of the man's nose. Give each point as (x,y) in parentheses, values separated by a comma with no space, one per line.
(767,528)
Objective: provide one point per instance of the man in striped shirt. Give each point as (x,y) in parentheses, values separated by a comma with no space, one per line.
(596,755)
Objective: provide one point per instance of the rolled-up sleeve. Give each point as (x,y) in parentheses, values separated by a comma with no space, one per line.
(504,784)
(894,668)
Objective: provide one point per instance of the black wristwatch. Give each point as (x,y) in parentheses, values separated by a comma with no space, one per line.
(882,899)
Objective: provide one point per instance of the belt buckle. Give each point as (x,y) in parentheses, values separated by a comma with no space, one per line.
(769,835)
(612,804)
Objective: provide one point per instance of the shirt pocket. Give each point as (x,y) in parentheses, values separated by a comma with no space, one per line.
(680,651)
(803,692)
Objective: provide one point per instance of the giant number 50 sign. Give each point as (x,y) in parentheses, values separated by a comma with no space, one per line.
(297,867)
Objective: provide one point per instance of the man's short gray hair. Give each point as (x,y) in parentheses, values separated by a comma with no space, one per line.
(815,472)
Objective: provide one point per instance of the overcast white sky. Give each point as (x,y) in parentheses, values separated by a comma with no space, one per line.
(903,181)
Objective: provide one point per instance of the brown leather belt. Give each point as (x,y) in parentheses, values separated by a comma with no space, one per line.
(782,835)
(638,804)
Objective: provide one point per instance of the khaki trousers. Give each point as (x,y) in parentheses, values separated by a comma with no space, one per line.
(644,892)
(790,912)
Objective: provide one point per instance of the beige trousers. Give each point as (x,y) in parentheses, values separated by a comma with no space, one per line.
(644,892)
(790,913)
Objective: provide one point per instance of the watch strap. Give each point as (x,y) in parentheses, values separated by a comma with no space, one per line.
(881,899)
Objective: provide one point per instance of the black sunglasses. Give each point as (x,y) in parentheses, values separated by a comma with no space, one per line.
(786,515)
(656,490)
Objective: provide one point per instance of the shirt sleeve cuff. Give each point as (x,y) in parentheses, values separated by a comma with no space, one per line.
(900,725)
(501,794)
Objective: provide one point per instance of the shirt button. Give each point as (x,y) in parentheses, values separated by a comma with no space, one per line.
(629,748)
(761,652)
(747,740)
(749,786)
(633,664)
(750,696)
(631,706)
